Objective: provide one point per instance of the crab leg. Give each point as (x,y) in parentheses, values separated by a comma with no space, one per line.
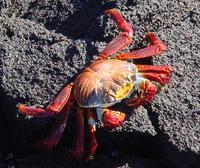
(54,107)
(92,130)
(60,104)
(77,151)
(121,41)
(156,47)
(160,74)
(56,131)
(146,91)
(155,68)
(161,78)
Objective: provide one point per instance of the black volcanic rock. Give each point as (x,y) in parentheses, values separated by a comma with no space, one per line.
(46,44)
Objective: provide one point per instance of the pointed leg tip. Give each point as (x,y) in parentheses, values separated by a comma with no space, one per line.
(151,34)
(153,39)
(20,107)
(109,11)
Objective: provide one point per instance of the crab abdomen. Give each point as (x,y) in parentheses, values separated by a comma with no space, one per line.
(104,83)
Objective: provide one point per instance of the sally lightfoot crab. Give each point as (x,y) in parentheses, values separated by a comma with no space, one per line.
(103,84)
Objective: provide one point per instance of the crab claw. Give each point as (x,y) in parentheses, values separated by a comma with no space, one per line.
(112,119)
(146,93)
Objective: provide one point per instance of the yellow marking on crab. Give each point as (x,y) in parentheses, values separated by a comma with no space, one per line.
(124,91)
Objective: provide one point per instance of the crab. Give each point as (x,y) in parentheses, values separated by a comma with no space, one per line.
(104,83)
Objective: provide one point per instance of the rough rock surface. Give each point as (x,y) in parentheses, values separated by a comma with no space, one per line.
(45,44)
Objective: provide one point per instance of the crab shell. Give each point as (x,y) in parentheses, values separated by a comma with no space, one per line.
(105,83)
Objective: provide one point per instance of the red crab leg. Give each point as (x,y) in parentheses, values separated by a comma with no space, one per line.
(146,92)
(77,151)
(92,130)
(121,41)
(160,74)
(60,104)
(54,107)
(56,131)
(155,68)
(61,99)
(158,77)
(156,47)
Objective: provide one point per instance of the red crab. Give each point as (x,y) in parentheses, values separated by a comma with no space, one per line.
(103,84)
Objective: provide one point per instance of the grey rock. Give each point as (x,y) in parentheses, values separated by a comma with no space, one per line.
(69,17)
(171,126)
